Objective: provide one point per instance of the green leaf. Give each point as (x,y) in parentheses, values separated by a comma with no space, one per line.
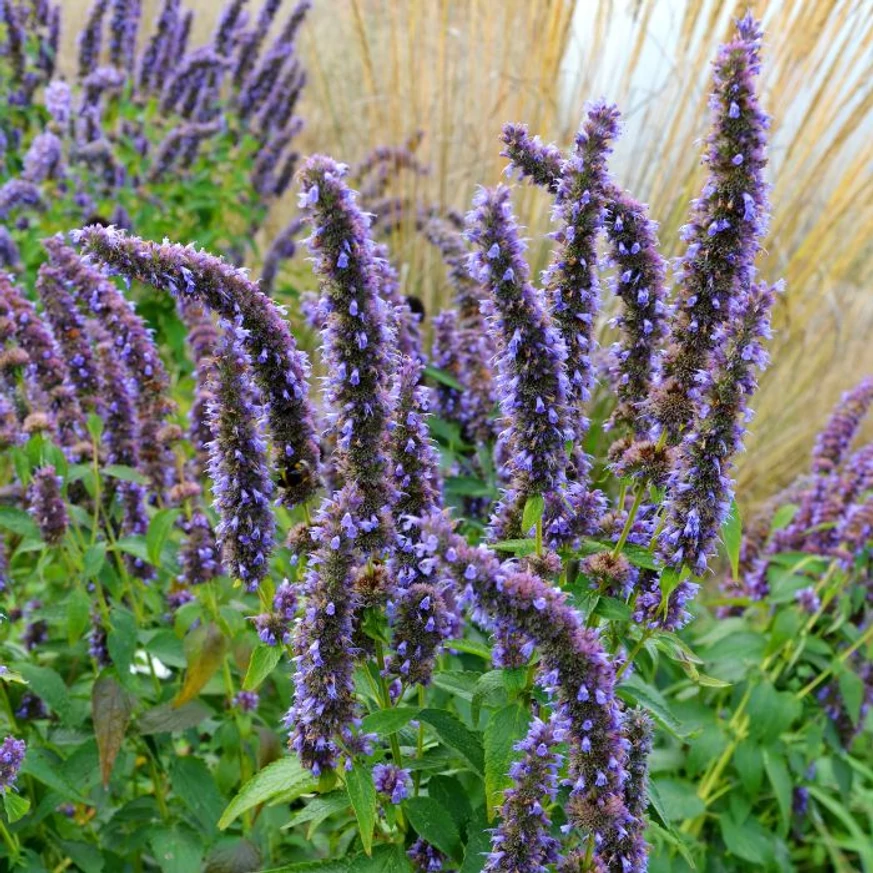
(121,640)
(93,561)
(534,507)
(166,718)
(126,474)
(443,377)
(505,728)
(748,841)
(783,516)
(732,537)
(194,785)
(110,712)
(640,556)
(318,809)
(45,768)
(677,798)
(451,794)
(17,521)
(280,777)
(362,794)
(457,736)
(15,805)
(205,648)
(459,683)
(634,690)
(239,856)
(388,721)
(522,548)
(780,779)
(262,662)
(771,712)
(749,763)
(48,685)
(852,690)
(657,802)
(159,529)
(78,607)
(434,823)
(613,609)
(478,845)
(176,849)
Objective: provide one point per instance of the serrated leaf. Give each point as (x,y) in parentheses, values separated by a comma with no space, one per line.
(640,556)
(205,648)
(45,768)
(17,521)
(505,728)
(194,785)
(176,849)
(747,841)
(110,712)
(318,809)
(852,690)
(780,779)
(121,640)
(635,690)
(433,823)
(93,560)
(262,662)
(456,735)
(78,607)
(388,721)
(240,856)
(478,844)
(362,795)
(48,685)
(522,548)
(459,683)
(534,507)
(167,718)
(125,474)
(159,529)
(732,537)
(280,777)
(15,805)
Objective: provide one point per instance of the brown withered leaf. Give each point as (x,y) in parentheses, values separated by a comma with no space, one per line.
(110,710)
(205,649)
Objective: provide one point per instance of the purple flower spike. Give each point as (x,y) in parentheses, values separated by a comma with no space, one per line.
(246,701)
(283,248)
(324,707)
(530,158)
(834,440)
(700,490)
(521,843)
(639,282)
(392,782)
(159,51)
(11,758)
(47,505)
(421,623)
(726,226)
(280,370)
(198,553)
(571,279)
(238,467)
(426,858)
(90,39)
(357,338)
(532,384)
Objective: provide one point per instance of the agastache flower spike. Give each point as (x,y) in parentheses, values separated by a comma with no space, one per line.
(10,257)
(700,490)
(238,466)
(521,842)
(44,159)
(324,708)
(97,296)
(357,338)
(47,505)
(157,53)
(571,279)
(835,438)
(11,758)
(58,101)
(726,226)
(532,383)
(639,282)
(198,553)
(90,39)
(392,782)
(182,140)
(530,158)
(19,193)
(280,370)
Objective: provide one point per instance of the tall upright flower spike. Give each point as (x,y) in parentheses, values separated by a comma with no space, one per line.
(421,621)
(531,158)
(44,159)
(198,553)
(180,146)
(532,384)
(402,319)
(238,466)
(11,758)
(324,709)
(835,438)
(571,278)
(58,102)
(522,842)
(250,45)
(639,282)
(700,490)
(90,39)
(281,371)
(47,505)
(50,371)
(158,52)
(98,297)
(69,329)
(10,257)
(723,236)
(357,339)
(18,194)
(123,23)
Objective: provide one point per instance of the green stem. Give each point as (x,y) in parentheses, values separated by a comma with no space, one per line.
(11,841)
(629,522)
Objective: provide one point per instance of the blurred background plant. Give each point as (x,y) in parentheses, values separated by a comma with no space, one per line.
(456,69)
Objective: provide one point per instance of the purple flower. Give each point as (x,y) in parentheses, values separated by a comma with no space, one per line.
(280,370)
(159,51)
(198,552)
(324,708)
(357,339)
(639,282)
(532,384)
(188,81)
(123,26)
(18,193)
(835,438)
(530,158)
(47,505)
(44,159)
(700,490)
(97,641)
(11,758)
(238,466)
(392,782)
(10,257)
(425,857)
(58,102)
(521,842)
(808,600)
(571,279)
(724,234)
(182,143)
(421,622)
(90,39)
(246,701)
